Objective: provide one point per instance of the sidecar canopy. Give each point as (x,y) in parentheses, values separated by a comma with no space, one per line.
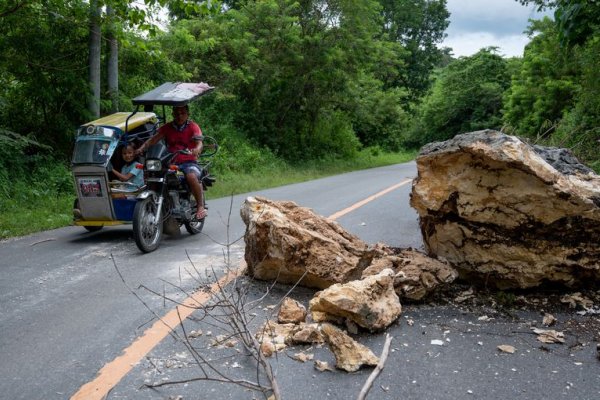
(173,94)
(121,120)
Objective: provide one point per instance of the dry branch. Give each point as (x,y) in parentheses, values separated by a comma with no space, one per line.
(382,359)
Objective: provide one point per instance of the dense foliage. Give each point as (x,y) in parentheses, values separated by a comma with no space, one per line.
(467,96)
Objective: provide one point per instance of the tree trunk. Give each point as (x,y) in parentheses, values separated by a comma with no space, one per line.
(94,59)
(113,62)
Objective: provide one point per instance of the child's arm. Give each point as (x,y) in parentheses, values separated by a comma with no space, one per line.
(122,177)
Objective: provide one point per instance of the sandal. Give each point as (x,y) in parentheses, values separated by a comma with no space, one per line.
(201,214)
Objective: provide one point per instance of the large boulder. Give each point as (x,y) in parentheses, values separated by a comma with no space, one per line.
(513,214)
(291,243)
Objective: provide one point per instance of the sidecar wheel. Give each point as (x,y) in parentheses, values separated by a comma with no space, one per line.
(194,226)
(77,214)
(146,233)
(94,228)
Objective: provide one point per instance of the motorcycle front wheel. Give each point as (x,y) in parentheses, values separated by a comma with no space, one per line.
(146,232)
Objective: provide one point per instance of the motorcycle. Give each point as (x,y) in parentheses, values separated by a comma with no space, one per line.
(164,203)
(167,203)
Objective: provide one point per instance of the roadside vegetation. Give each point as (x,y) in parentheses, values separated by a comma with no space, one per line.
(304,89)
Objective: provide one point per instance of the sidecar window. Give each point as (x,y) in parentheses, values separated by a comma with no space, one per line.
(95,151)
(94,144)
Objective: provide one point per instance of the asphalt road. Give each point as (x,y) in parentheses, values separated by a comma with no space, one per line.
(68,307)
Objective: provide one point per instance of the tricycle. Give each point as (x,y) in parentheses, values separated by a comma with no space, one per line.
(163,203)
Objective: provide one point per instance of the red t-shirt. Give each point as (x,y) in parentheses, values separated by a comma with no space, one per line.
(186,138)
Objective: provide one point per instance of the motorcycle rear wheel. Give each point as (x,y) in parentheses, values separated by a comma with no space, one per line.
(146,233)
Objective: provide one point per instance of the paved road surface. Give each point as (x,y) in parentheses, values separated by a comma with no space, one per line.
(65,313)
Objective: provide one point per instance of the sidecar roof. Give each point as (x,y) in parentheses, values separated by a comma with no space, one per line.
(118,120)
(173,94)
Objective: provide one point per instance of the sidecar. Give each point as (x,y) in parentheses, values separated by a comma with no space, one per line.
(102,200)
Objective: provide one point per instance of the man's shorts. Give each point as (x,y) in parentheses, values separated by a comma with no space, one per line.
(191,167)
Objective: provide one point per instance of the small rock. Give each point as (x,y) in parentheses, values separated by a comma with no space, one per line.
(303,357)
(505,348)
(291,311)
(437,342)
(371,303)
(349,354)
(322,366)
(548,320)
(577,300)
(195,334)
(549,335)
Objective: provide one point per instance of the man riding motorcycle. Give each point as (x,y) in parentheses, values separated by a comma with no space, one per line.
(183,134)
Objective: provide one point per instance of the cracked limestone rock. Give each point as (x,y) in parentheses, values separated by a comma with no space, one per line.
(349,354)
(291,311)
(290,243)
(509,213)
(370,303)
(416,274)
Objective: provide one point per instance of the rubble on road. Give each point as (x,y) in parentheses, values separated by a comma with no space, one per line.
(292,244)
(416,274)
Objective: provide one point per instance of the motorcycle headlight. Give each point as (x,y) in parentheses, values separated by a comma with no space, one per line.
(153,165)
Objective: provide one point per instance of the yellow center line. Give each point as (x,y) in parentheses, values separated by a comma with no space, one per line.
(367,200)
(112,373)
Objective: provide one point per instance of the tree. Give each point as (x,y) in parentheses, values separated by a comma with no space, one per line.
(285,69)
(546,85)
(577,20)
(94,59)
(112,67)
(43,68)
(419,25)
(466,96)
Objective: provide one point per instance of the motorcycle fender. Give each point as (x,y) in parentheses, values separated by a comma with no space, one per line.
(145,194)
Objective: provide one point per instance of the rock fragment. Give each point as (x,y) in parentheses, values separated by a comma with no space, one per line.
(349,354)
(549,335)
(416,274)
(322,366)
(291,311)
(548,320)
(371,303)
(303,357)
(506,348)
(576,300)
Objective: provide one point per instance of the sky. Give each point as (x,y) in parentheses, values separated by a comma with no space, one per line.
(480,23)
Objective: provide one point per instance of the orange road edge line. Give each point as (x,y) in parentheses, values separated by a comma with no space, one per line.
(367,200)
(110,375)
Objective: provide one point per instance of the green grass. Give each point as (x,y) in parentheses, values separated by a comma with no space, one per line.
(23,216)
(273,176)
(34,211)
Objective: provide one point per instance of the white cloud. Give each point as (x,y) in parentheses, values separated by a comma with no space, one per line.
(467,44)
(475,24)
